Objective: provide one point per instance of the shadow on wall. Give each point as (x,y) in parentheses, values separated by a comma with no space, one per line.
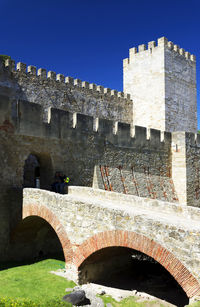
(125,268)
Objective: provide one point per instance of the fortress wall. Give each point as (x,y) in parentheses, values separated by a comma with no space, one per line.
(180,89)
(193,168)
(186,167)
(56,91)
(75,151)
(144,180)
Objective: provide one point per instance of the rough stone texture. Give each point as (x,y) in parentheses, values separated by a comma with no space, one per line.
(59,146)
(68,95)
(162,84)
(139,179)
(95,219)
(193,168)
(186,167)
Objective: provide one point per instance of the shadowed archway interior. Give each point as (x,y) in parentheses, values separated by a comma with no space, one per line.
(38,166)
(126,268)
(35,239)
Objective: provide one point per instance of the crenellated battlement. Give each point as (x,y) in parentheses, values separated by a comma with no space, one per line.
(42,74)
(193,139)
(26,118)
(151,46)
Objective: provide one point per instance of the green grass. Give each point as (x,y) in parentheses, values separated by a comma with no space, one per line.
(127,302)
(35,282)
(197,304)
(34,286)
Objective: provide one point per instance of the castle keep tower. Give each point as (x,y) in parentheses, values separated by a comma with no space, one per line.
(162,82)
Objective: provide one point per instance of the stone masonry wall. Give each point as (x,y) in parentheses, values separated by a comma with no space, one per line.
(180,89)
(56,91)
(75,151)
(186,167)
(85,213)
(143,78)
(144,180)
(162,82)
(193,169)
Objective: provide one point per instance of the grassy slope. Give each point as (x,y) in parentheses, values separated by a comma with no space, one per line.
(34,281)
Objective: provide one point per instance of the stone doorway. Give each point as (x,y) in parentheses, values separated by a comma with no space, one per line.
(31,171)
(38,172)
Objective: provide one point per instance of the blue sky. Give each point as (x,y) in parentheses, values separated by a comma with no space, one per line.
(88,39)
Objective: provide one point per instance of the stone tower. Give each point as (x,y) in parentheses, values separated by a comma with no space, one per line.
(162,82)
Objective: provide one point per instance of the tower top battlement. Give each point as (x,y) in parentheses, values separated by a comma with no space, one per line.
(163,41)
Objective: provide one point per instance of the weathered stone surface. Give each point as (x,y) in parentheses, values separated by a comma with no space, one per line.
(85,213)
(68,96)
(162,84)
(134,164)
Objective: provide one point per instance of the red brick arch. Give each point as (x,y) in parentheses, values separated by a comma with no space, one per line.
(145,245)
(43,212)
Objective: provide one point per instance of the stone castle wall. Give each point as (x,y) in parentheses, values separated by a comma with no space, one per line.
(162,82)
(77,145)
(180,89)
(56,91)
(193,168)
(186,167)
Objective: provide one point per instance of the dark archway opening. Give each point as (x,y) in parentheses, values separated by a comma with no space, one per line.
(34,240)
(38,171)
(125,268)
(31,171)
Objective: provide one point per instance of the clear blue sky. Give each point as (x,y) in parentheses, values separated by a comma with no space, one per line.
(87,39)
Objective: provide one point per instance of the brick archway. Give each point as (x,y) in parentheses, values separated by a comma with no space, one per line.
(46,214)
(143,244)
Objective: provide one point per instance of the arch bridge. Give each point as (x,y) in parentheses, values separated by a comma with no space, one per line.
(88,221)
